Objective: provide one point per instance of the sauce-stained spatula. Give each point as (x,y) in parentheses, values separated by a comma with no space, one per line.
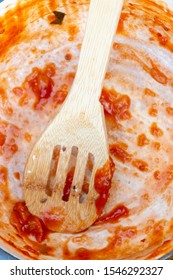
(77,132)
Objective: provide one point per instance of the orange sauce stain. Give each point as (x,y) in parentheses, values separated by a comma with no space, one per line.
(2,139)
(3,95)
(4,182)
(8,145)
(163,39)
(140,164)
(149,92)
(157,175)
(15,20)
(169,110)
(116,104)
(164,177)
(155,130)
(17,175)
(121,234)
(18,91)
(156,145)
(68,57)
(59,96)
(123,18)
(157,75)
(40,84)
(28,137)
(142,140)
(73,30)
(70,78)
(120,152)
(153,111)
(3,175)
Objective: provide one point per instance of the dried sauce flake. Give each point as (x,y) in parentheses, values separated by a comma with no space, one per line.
(59,18)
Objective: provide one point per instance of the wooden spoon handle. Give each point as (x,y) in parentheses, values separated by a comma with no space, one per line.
(101,27)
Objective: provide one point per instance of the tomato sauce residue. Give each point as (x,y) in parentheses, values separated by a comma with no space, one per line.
(114,215)
(155,130)
(149,92)
(163,39)
(140,164)
(2,139)
(121,235)
(116,104)
(17,175)
(169,110)
(68,184)
(153,111)
(102,183)
(142,140)
(27,224)
(120,152)
(40,84)
(156,145)
(3,176)
(8,135)
(60,95)
(3,95)
(164,177)
(28,137)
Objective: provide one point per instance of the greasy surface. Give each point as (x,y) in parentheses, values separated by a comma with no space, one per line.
(137,97)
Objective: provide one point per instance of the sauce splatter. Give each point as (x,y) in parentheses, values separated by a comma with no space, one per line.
(153,111)
(155,130)
(17,175)
(142,140)
(140,164)
(40,84)
(169,110)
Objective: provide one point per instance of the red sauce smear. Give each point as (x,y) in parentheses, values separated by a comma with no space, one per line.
(113,216)
(27,224)
(116,104)
(119,151)
(155,130)
(102,184)
(142,140)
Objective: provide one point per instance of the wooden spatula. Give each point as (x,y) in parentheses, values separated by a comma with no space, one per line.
(77,134)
